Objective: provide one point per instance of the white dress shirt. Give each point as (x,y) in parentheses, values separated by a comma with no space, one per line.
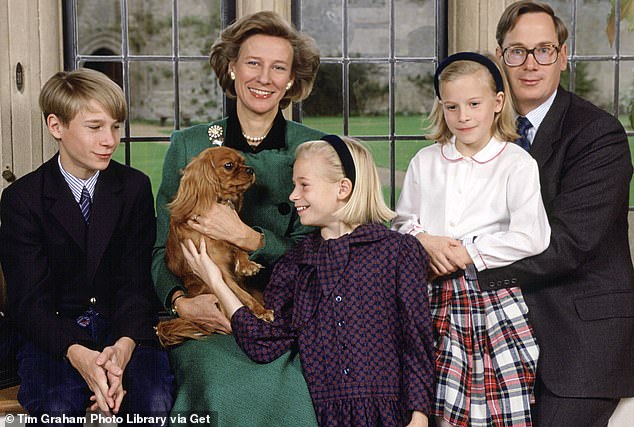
(490,201)
(537,116)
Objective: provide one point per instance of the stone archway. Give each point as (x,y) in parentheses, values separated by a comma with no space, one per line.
(114,70)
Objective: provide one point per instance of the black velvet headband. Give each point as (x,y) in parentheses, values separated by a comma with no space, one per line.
(474,57)
(344,155)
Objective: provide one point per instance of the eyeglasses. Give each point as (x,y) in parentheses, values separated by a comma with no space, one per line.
(515,56)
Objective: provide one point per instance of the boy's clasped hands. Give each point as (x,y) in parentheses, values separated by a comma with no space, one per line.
(103,372)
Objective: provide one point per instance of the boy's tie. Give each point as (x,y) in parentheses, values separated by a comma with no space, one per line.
(85,204)
(523,125)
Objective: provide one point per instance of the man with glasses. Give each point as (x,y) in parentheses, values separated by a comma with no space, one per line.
(580,291)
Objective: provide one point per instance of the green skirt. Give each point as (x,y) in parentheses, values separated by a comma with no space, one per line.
(218,385)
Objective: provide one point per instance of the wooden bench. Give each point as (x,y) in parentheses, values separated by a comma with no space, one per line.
(9,401)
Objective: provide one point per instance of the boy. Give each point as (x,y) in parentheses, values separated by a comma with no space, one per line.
(76,240)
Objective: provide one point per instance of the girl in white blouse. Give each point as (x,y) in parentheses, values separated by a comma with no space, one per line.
(473,201)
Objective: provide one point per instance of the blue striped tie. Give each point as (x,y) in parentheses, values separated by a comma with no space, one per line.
(85,204)
(523,125)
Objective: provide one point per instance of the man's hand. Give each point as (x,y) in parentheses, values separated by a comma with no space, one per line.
(461,256)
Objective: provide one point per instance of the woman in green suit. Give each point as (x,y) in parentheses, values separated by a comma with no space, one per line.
(264,63)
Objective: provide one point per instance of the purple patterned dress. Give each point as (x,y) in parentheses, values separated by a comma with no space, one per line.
(356,308)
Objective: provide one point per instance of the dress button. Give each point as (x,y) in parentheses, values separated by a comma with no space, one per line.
(338,298)
(346,371)
(93,300)
(341,323)
(344,347)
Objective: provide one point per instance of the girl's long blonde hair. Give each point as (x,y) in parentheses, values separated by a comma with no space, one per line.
(366,204)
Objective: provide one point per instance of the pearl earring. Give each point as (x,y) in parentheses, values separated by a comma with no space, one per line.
(289,85)
(232,75)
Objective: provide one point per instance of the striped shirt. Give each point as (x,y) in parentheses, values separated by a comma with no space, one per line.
(536,117)
(76,184)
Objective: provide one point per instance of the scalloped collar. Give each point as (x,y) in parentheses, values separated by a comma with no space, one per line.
(490,151)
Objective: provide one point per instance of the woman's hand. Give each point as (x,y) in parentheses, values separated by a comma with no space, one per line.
(442,253)
(204,310)
(222,222)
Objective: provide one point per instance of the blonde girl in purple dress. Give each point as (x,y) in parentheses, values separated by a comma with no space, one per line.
(348,297)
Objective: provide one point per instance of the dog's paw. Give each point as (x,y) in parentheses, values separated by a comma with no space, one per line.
(249,268)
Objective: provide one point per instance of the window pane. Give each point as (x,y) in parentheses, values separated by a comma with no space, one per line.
(592,38)
(151,95)
(322,20)
(381,153)
(404,151)
(323,109)
(368,28)
(594,81)
(414,96)
(626,95)
(99,27)
(199,92)
(150,27)
(369,103)
(626,108)
(147,157)
(114,70)
(627,33)
(199,25)
(563,9)
(416,27)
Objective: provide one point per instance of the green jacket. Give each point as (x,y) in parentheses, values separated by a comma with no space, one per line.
(266,205)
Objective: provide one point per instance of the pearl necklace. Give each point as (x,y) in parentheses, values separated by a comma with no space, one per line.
(253,139)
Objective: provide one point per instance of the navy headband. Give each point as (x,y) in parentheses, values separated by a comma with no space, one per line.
(474,57)
(344,155)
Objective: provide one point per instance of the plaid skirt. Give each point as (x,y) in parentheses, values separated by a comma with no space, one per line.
(486,355)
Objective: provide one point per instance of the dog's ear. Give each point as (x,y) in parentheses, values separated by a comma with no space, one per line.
(198,188)
(211,171)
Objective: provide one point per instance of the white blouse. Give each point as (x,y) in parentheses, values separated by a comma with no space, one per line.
(491,201)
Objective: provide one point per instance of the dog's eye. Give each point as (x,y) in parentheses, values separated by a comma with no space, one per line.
(229,166)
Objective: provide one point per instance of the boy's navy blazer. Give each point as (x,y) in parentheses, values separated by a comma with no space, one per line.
(56,266)
(580,291)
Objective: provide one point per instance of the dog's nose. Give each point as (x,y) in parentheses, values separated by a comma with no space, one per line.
(249,170)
